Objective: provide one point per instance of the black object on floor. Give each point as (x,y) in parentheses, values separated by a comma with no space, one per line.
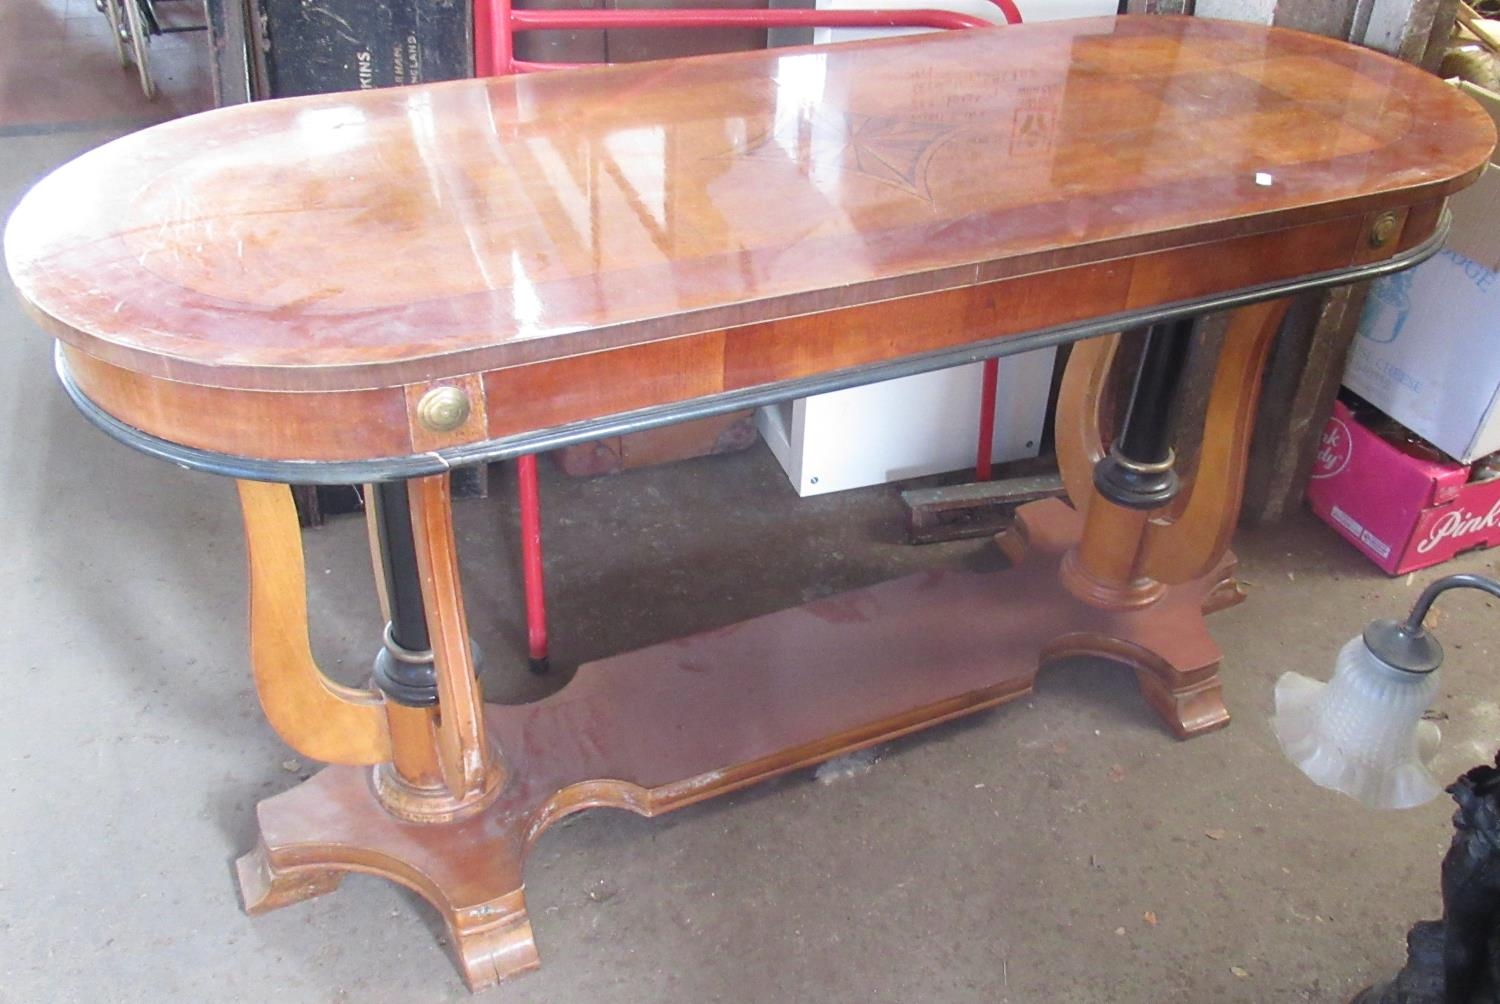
(1456,960)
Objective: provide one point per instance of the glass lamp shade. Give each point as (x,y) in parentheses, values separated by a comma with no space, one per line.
(1362,732)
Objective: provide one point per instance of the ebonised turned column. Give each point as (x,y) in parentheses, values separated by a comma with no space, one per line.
(404,668)
(1138,472)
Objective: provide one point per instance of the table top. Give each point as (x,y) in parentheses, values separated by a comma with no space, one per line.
(372,238)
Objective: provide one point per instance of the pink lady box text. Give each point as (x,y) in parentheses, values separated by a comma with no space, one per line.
(1402,511)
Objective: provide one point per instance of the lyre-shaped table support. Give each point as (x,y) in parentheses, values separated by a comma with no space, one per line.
(466,788)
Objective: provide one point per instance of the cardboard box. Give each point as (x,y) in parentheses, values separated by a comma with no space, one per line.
(1428,349)
(1401,511)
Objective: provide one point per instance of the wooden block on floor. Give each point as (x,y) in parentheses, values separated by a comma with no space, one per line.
(981,509)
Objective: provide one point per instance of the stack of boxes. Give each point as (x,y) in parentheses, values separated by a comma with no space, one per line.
(1427,356)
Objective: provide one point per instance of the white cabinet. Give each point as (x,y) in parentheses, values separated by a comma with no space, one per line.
(907,428)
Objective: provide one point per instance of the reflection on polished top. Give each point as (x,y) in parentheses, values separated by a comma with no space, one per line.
(510,220)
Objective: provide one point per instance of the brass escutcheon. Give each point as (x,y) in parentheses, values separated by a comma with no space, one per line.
(443,409)
(1385,227)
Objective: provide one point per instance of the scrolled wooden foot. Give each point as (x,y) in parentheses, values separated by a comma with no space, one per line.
(1189,709)
(1176,664)
(468,869)
(492,941)
(1165,642)
(264,887)
(1181,681)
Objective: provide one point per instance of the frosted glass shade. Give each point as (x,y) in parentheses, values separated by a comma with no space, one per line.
(1362,732)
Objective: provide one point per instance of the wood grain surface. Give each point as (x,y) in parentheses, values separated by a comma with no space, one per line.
(387,237)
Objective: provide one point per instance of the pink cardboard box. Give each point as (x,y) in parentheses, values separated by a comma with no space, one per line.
(1401,511)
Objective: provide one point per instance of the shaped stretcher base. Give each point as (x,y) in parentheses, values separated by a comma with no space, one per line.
(683,721)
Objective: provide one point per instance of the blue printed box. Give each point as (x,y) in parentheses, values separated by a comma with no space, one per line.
(1428,348)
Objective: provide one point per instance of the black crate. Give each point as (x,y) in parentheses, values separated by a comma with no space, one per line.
(317,46)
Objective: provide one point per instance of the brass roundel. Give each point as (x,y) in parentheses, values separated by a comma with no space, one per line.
(1385,227)
(443,409)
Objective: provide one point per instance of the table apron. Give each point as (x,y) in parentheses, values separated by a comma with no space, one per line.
(360,471)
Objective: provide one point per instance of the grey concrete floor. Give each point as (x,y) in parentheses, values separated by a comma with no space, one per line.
(1060,849)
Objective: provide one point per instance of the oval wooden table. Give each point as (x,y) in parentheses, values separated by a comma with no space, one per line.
(375,287)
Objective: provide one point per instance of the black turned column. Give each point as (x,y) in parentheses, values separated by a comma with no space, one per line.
(1138,472)
(403,667)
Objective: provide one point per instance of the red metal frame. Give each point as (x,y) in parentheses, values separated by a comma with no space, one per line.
(530,504)
(496,23)
(988,390)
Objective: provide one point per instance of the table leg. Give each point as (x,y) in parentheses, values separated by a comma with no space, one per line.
(443,813)
(412,810)
(1144,532)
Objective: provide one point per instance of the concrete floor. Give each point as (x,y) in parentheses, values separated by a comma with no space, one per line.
(1061,849)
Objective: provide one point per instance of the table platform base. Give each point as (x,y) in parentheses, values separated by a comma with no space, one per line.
(683,721)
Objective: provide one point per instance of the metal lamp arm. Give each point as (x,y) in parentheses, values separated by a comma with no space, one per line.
(1407,645)
(1430,594)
